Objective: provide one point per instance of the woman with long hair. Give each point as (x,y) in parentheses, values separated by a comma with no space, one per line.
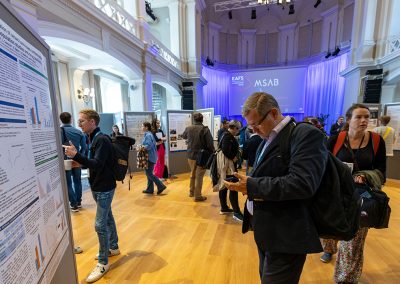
(159,136)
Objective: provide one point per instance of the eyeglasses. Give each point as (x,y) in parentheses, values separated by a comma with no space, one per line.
(256,125)
(81,121)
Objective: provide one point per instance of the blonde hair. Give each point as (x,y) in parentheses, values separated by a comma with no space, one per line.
(91,114)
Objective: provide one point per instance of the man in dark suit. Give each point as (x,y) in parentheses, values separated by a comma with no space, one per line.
(279,191)
(335,128)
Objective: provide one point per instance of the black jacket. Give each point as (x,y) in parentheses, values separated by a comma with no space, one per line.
(229,145)
(101,176)
(281,192)
(250,149)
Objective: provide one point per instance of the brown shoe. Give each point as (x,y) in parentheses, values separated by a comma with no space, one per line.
(201,198)
(191,194)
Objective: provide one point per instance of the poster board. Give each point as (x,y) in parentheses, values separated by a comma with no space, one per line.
(208,118)
(375,111)
(35,226)
(393,110)
(133,124)
(217,125)
(177,122)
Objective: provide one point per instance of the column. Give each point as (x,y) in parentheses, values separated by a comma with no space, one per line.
(248,46)
(365,51)
(329,29)
(288,43)
(176,25)
(213,41)
(141,25)
(193,37)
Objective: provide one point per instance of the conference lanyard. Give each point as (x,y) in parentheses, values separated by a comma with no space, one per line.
(90,144)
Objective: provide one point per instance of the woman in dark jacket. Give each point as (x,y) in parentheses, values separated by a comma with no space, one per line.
(227,166)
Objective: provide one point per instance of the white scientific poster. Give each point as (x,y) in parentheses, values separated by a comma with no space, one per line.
(133,124)
(177,122)
(393,110)
(32,215)
(217,126)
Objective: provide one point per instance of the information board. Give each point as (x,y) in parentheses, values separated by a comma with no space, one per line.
(208,118)
(217,126)
(177,122)
(33,221)
(133,124)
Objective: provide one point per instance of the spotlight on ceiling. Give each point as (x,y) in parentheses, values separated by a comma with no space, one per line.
(317,3)
(253,14)
(328,55)
(291,9)
(336,52)
(150,12)
(230,15)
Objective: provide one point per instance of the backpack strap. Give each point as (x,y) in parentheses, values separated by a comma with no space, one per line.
(339,142)
(376,138)
(386,134)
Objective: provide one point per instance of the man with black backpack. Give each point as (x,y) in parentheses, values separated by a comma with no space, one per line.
(73,175)
(99,161)
(277,209)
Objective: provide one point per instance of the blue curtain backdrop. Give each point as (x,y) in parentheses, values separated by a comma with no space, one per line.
(324,91)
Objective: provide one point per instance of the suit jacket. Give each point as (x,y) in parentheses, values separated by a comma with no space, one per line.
(282,190)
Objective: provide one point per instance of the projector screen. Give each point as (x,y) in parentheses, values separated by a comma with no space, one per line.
(285,84)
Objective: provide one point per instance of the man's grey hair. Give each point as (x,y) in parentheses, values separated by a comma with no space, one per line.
(261,102)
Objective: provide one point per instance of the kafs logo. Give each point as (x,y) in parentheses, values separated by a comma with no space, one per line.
(238,80)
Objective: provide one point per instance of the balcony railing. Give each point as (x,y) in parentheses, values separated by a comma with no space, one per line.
(164,52)
(117,13)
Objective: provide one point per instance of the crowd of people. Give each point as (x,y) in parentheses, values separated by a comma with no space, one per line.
(276,190)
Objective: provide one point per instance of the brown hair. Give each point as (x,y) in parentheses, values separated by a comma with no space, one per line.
(147,125)
(198,117)
(261,102)
(65,117)
(349,112)
(385,119)
(91,114)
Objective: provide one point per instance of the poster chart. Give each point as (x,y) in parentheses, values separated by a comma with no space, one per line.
(177,122)
(32,214)
(133,124)
(374,110)
(393,110)
(217,125)
(208,118)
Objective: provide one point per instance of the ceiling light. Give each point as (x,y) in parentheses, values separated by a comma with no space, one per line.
(336,52)
(317,3)
(328,55)
(253,14)
(291,9)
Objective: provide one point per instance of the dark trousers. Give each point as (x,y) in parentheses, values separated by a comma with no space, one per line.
(233,198)
(280,268)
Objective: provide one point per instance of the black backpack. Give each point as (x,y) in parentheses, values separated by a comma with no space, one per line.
(121,147)
(336,206)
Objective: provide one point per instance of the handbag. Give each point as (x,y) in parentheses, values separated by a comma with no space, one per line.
(142,158)
(375,209)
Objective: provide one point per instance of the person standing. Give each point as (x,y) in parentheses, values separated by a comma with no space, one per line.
(102,183)
(73,176)
(388,134)
(279,192)
(115,131)
(159,136)
(223,129)
(198,137)
(337,126)
(250,147)
(150,144)
(358,150)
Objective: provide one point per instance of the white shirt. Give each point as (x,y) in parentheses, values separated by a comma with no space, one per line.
(271,137)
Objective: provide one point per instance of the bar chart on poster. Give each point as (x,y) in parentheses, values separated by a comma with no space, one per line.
(33,220)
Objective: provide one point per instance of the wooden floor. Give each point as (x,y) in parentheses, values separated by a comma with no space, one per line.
(171,239)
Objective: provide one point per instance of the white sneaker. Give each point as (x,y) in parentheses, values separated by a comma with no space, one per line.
(97,272)
(111,252)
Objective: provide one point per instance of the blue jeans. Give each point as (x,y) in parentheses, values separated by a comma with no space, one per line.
(151,178)
(74,194)
(105,224)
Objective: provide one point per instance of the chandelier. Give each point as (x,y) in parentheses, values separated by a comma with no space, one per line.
(240,4)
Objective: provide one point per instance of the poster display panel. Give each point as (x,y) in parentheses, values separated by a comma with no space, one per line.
(393,110)
(208,117)
(374,110)
(217,125)
(133,124)
(177,122)
(32,212)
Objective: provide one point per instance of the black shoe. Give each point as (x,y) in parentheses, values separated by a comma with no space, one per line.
(226,211)
(74,209)
(147,192)
(200,199)
(79,205)
(161,190)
